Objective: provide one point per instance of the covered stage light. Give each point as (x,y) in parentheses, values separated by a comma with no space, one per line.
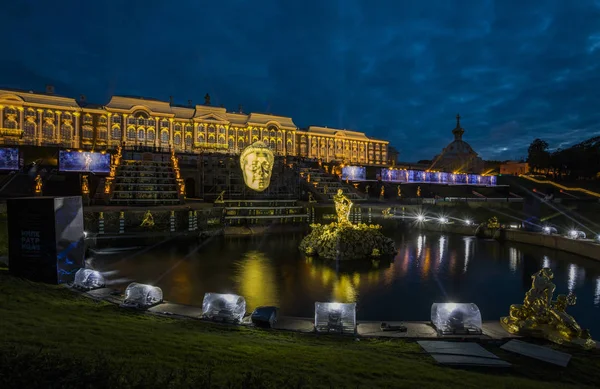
(264,316)
(574,234)
(549,230)
(225,307)
(335,317)
(456,318)
(142,296)
(88,279)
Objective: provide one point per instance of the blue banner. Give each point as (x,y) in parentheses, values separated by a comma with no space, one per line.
(83,162)
(401,175)
(354,173)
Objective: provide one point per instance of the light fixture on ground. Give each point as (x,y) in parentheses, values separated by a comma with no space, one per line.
(142,296)
(468,222)
(574,234)
(443,220)
(223,307)
(420,218)
(335,317)
(456,318)
(264,316)
(88,279)
(549,230)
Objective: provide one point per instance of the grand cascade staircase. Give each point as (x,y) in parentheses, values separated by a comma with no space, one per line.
(145,183)
(325,186)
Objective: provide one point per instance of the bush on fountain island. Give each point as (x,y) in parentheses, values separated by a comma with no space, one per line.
(347,241)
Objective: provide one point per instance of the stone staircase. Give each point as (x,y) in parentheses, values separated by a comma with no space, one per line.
(145,183)
(324,186)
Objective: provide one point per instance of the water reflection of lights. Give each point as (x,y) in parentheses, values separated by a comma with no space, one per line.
(442,248)
(572,281)
(426,263)
(420,244)
(513,255)
(597,292)
(468,248)
(256,280)
(182,284)
(546,261)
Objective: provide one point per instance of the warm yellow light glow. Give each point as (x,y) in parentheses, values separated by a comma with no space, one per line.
(582,190)
(256,280)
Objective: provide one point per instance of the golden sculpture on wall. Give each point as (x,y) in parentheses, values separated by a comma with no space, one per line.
(256,162)
(311,199)
(148,220)
(343,205)
(221,198)
(418,191)
(85,187)
(541,316)
(399,191)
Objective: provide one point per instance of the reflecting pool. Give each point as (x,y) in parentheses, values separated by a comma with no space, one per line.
(429,267)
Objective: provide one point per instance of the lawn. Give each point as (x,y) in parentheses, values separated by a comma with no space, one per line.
(51,337)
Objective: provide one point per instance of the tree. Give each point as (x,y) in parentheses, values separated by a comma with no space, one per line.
(538,156)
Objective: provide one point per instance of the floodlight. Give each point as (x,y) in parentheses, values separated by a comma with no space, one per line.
(574,234)
(142,295)
(443,220)
(264,316)
(420,218)
(335,317)
(468,222)
(88,279)
(549,230)
(224,307)
(456,318)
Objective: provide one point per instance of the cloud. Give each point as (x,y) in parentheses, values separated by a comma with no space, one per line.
(514,70)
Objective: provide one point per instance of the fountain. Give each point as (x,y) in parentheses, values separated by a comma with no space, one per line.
(542,317)
(344,240)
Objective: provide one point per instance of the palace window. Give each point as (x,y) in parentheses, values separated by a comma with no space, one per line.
(29,130)
(102,120)
(151,122)
(141,134)
(87,132)
(289,146)
(31,113)
(240,143)
(279,145)
(254,133)
(177,127)
(141,121)
(131,120)
(188,140)
(177,139)
(231,143)
(164,136)
(67,116)
(201,137)
(164,123)
(102,133)
(115,133)
(10,111)
(116,119)
(48,131)
(222,140)
(66,132)
(49,115)
(10,124)
(150,134)
(222,130)
(131,133)
(87,118)
(272,144)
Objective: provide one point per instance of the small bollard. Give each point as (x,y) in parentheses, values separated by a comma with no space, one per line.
(369,215)
(121,222)
(195,220)
(101,223)
(172,220)
(191,221)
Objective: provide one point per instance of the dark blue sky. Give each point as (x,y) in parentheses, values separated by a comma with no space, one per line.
(398,70)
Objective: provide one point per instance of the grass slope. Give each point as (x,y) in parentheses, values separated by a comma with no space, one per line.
(53,338)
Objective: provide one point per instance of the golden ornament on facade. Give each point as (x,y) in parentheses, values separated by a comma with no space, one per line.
(540,316)
(38,184)
(85,188)
(148,220)
(256,162)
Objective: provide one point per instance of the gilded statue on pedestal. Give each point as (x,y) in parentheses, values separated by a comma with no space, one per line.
(85,187)
(541,316)
(399,191)
(38,184)
(382,191)
(256,162)
(342,207)
(87,161)
(418,191)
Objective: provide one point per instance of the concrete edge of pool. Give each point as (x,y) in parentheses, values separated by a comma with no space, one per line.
(492,330)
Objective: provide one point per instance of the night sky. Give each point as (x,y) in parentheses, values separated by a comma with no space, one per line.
(397,70)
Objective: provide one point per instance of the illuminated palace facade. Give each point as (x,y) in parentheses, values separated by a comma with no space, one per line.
(44,119)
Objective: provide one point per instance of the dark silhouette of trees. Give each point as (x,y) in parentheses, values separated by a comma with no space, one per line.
(580,161)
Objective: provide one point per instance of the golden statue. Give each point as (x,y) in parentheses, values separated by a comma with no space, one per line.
(418,191)
(347,180)
(540,316)
(85,187)
(399,191)
(38,185)
(311,199)
(382,191)
(256,162)
(308,178)
(342,207)
(387,213)
(220,199)
(493,223)
(148,220)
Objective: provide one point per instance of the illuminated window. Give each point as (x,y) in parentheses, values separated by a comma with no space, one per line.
(87,132)
(240,143)
(102,120)
(201,137)
(188,140)
(48,131)
(67,116)
(116,119)
(164,123)
(177,127)
(231,143)
(131,120)
(140,134)
(10,124)
(131,133)
(177,139)
(222,140)
(150,134)
(151,122)
(102,133)
(29,130)
(87,118)
(10,111)
(116,133)
(164,137)
(66,132)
